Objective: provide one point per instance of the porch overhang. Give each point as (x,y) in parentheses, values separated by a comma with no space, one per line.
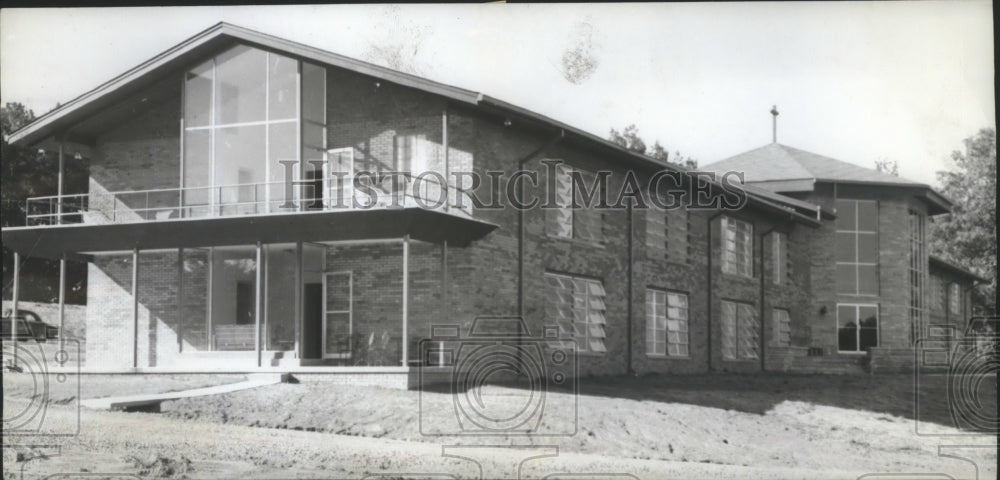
(54,241)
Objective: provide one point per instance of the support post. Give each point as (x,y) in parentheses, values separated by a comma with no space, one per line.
(59,185)
(13,307)
(209,326)
(406,294)
(444,281)
(180,300)
(135,307)
(62,261)
(62,307)
(258,298)
(298,301)
(444,146)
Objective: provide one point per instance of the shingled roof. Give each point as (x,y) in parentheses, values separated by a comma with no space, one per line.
(777,162)
(783,169)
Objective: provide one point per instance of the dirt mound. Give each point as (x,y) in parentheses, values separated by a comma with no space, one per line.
(159,466)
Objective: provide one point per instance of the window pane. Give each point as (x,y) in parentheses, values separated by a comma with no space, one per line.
(867,247)
(313,93)
(239,165)
(198,95)
(313,141)
(282,85)
(233,298)
(282,141)
(846,216)
(846,247)
(728,330)
(867,280)
(847,279)
(868,216)
(749,334)
(239,87)
(196,169)
(868,331)
(847,337)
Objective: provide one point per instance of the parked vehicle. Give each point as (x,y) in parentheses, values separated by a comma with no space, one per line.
(29,326)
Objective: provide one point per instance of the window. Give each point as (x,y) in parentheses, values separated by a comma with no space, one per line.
(338,301)
(857,327)
(857,247)
(242,119)
(737,247)
(782,327)
(917,265)
(577,306)
(954,299)
(666,323)
(411,153)
(779,257)
(667,233)
(584,223)
(740,331)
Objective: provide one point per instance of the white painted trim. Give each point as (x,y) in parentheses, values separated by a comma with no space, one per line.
(350,313)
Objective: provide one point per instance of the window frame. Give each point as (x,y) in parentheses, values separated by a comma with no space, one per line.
(779,254)
(857,327)
(414,145)
(588,336)
(857,263)
(651,321)
(570,220)
(564,212)
(738,328)
(954,295)
(729,262)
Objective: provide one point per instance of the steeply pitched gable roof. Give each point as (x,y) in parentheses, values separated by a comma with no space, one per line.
(223,34)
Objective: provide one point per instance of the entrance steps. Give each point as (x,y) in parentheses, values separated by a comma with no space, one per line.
(151,402)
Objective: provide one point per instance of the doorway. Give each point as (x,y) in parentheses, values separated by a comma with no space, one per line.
(312,319)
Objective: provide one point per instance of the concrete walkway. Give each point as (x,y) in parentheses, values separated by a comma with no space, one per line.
(151,401)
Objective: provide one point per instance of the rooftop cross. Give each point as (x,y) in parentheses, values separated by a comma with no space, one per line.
(774,124)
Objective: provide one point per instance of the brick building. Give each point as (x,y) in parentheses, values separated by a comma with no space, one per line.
(203,257)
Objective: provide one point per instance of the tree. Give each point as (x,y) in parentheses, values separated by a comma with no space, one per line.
(24,173)
(967,235)
(887,166)
(630,139)
(14,116)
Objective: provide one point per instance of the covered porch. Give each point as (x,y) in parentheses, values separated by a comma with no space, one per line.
(323,291)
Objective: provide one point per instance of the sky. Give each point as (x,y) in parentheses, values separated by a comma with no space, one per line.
(901,81)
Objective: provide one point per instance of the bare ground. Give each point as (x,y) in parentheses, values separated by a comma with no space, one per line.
(704,426)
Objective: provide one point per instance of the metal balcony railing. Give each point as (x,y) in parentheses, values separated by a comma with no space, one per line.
(235,200)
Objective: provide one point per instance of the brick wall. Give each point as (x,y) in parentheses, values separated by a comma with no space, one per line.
(893,299)
(141,153)
(483,277)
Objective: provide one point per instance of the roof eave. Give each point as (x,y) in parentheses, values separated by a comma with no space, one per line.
(954,268)
(52,122)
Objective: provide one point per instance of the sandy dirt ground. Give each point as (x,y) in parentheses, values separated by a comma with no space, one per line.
(706,426)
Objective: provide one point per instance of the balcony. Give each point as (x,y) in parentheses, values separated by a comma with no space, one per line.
(267,198)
